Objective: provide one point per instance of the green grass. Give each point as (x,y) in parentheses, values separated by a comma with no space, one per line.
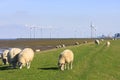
(92,62)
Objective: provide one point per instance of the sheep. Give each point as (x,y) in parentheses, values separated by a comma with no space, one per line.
(25,57)
(4,56)
(37,50)
(76,43)
(97,42)
(65,58)
(102,39)
(107,43)
(58,46)
(12,56)
(63,45)
(85,42)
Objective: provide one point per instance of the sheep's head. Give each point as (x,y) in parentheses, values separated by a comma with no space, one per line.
(4,61)
(61,66)
(20,65)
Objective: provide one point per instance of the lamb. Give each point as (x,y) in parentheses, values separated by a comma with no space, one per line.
(107,43)
(4,56)
(25,57)
(65,58)
(12,56)
(97,42)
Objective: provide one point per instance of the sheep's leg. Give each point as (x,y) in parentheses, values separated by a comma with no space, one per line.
(28,65)
(65,66)
(71,65)
(14,65)
(6,61)
(68,65)
(21,67)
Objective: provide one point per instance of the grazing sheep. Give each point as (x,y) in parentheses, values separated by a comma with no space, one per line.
(102,39)
(4,56)
(37,50)
(12,56)
(25,57)
(85,42)
(97,42)
(107,43)
(58,46)
(65,58)
(114,39)
(63,45)
(76,43)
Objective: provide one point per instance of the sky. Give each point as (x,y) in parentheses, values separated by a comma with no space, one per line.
(58,18)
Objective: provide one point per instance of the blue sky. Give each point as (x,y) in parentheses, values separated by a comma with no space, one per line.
(58,18)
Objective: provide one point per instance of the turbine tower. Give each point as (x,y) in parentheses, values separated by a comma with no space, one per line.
(32,27)
(92,29)
(26,25)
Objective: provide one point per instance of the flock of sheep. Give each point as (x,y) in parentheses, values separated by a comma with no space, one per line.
(98,42)
(17,57)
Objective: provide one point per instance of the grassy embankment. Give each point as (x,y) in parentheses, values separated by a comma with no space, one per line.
(92,62)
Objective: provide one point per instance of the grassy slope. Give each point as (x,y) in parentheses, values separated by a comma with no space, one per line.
(91,62)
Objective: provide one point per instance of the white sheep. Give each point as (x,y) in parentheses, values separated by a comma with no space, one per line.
(58,46)
(77,43)
(85,42)
(12,56)
(97,42)
(37,50)
(65,59)
(25,57)
(102,39)
(63,45)
(4,56)
(108,43)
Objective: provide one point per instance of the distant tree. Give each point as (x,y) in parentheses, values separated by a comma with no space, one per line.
(117,35)
(103,36)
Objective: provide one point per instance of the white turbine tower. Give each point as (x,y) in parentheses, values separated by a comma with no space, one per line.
(31,27)
(34,34)
(92,29)
(26,25)
(42,28)
(35,28)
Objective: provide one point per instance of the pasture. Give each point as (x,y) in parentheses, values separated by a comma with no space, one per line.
(91,62)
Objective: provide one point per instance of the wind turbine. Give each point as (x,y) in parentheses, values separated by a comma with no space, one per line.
(31,27)
(92,29)
(42,28)
(26,25)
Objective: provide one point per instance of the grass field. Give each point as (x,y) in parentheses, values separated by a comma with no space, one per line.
(92,62)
